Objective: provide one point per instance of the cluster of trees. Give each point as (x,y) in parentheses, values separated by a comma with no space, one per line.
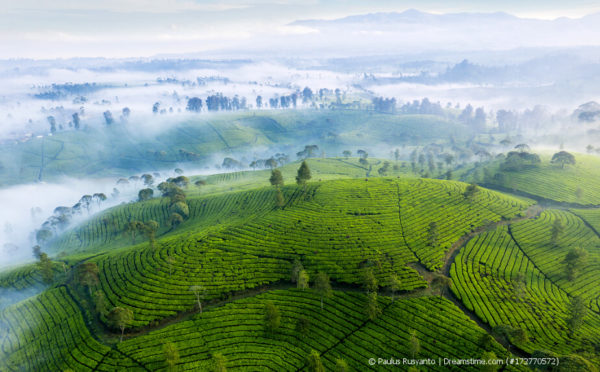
(62,216)
(423,107)
(384,104)
(274,161)
(432,159)
(520,159)
(172,189)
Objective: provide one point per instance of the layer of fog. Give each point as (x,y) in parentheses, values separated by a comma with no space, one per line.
(26,207)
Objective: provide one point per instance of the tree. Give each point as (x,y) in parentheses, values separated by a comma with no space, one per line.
(87,275)
(562,158)
(133,227)
(557,230)
(45,267)
(574,261)
(296,268)
(219,363)
(276,178)
(369,281)
(76,121)
(279,199)
(100,302)
(200,293)
(394,284)
(175,220)
(272,163)
(108,117)
(323,286)
(43,235)
(99,198)
(577,312)
(314,362)
(471,191)
(433,234)
(302,280)
(341,366)
(489,367)
(121,318)
(150,229)
(171,355)
(347,154)
(523,147)
(373,310)
(37,251)
(145,194)
(303,174)
(85,201)
(272,317)
(194,104)
(148,179)
(414,344)
(52,122)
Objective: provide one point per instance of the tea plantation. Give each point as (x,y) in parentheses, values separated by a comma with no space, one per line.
(415,268)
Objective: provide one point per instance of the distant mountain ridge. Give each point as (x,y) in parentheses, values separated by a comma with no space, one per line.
(415,16)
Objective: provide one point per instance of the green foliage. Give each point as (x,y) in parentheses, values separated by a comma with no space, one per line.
(563,158)
(414,345)
(45,268)
(323,286)
(297,267)
(145,194)
(373,310)
(314,363)
(341,366)
(577,313)
(276,178)
(87,275)
(171,355)
(120,318)
(219,363)
(574,262)
(370,283)
(433,234)
(272,317)
(303,174)
(302,282)
(471,191)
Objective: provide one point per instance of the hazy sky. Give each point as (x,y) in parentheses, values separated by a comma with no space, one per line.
(129,28)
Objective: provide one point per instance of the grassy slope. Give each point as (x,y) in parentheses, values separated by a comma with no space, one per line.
(121,150)
(553,182)
(335,226)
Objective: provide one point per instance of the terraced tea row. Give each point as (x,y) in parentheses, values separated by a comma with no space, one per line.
(535,238)
(444,204)
(339,228)
(340,330)
(496,280)
(573,184)
(107,229)
(48,333)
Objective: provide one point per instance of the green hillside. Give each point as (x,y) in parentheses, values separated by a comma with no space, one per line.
(235,245)
(572,184)
(509,295)
(136,147)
